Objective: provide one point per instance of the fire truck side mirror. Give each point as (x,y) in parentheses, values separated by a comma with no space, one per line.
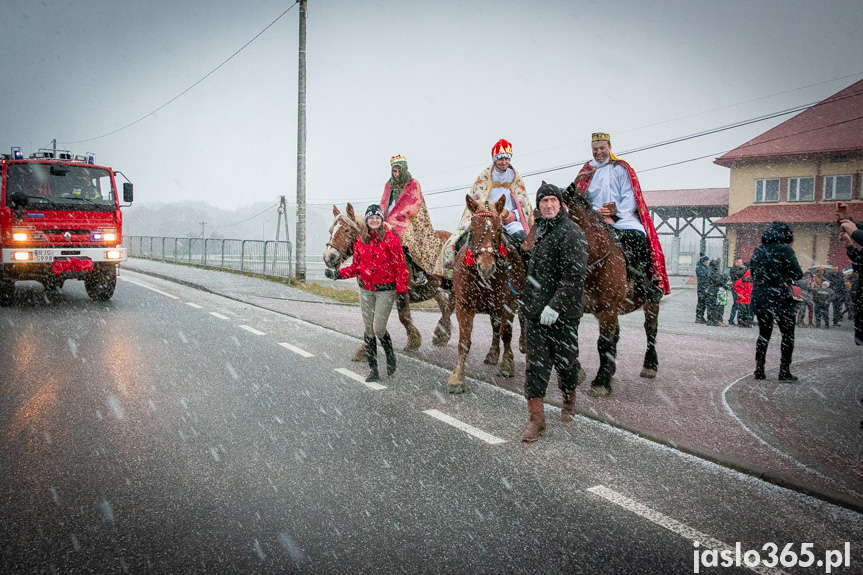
(127,192)
(18,200)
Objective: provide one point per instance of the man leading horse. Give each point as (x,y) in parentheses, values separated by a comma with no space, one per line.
(613,189)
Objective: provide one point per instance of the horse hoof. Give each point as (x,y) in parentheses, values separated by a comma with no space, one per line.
(455,387)
(359,354)
(648,373)
(599,391)
(506,373)
(440,340)
(490,359)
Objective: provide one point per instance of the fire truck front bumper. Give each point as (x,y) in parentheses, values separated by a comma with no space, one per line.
(22,257)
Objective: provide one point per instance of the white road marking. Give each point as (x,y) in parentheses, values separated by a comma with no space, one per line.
(194,305)
(705,541)
(250,329)
(218,315)
(297,350)
(488,438)
(360,378)
(152,288)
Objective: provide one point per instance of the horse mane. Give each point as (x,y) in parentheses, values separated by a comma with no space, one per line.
(357,223)
(579,203)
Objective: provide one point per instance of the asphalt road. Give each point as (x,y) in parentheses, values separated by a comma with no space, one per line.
(168,431)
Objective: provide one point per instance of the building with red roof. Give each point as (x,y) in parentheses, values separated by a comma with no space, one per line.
(796,172)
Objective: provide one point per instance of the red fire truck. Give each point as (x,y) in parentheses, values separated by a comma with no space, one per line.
(60,219)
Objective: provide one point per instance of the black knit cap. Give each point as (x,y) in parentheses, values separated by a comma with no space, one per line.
(548,190)
(374,210)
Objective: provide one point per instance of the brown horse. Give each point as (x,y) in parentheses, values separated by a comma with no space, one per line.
(345,231)
(608,294)
(488,277)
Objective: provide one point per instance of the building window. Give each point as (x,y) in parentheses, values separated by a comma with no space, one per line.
(801,190)
(837,188)
(766,191)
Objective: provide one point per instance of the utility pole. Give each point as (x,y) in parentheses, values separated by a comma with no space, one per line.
(301,149)
(203,225)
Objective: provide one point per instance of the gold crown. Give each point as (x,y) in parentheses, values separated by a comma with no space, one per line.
(398,158)
(600,136)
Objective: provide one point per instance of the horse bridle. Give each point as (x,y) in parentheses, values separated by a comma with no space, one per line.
(497,252)
(352,225)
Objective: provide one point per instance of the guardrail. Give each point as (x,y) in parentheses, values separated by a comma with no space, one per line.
(268,258)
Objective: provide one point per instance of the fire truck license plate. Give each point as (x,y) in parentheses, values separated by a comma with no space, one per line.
(43,256)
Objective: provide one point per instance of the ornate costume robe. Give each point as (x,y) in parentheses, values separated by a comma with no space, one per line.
(657,258)
(409,220)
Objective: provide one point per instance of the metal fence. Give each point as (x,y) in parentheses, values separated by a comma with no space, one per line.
(268,258)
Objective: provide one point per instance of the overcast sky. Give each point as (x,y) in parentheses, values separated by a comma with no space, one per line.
(438,82)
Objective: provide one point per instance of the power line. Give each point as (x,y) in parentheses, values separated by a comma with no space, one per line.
(247,219)
(715,154)
(190,87)
(711,131)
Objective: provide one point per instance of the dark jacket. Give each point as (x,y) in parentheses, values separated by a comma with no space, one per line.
(558,265)
(736,272)
(380,263)
(774,266)
(715,281)
(854,252)
(701,273)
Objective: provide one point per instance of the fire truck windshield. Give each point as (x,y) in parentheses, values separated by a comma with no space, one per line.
(61,186)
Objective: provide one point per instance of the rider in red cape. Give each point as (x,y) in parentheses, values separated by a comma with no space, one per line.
(407,217)
(644,220)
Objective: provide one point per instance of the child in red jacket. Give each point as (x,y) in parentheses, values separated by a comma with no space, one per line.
(743,289)
(379,261)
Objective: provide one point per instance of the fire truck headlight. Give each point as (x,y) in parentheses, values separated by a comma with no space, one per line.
(21,256)
(19,236)
(112,255)
(109,237)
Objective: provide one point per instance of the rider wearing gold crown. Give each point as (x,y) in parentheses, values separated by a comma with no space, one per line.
(407,217)
(612,187)
(499,179)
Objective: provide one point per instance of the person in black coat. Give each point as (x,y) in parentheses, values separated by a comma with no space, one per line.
(774,267)
(701,273)
(852,236)
(552,305)
(716,283)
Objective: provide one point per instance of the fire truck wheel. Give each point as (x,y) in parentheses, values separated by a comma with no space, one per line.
(7,292)
(101,283)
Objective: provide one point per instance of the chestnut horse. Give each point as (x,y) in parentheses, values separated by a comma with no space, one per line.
(608,294)
(488,277)
(345,231)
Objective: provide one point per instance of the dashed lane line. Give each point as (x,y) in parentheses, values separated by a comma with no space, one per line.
(297,350)
(359,378)
(194,305)
(487,437)
(250,329)
(685,531)
(218,315)
(151,288)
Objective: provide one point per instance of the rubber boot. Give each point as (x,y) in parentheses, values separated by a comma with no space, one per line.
(536,420)
(372,357)
(760,358)
(785,354)
(387,343)
(567,410)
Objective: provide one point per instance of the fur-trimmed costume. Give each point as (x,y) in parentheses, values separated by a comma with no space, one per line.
(408,219)
(480,191)
(582,182)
